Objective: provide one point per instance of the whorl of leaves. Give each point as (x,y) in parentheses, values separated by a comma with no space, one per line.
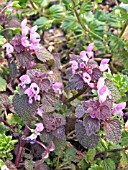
(53,121)
(43,54)
(23,108)
(91,125)
(75,83)
(112,130)
(114,90)
(85,140)
(40,79)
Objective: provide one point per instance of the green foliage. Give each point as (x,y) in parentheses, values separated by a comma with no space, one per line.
(120,80)
(6,146)
(90,155)
(108,164)
(3,128)
(3,84)
(2,40)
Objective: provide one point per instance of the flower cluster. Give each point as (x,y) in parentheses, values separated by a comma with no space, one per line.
(28,40)
(86,67)
(33,91)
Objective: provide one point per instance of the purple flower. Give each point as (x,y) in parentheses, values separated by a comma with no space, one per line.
(9,49)
(57,87)
(74,66)
(39,128)
(83,55)
(118,108)
(25,79)
(34,37)
(24,28)
(86,77)
(33,92)
(103,91)
(25,42)
(31,138)
(104,65)
(89,52)
(82,65)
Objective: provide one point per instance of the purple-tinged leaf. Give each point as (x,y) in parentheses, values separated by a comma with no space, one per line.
(23,108)
(40,165)
(24,58)
(14,23)
(75,83)
(46,137)
(42,54)
(91,125)
(12,68)
(86,141)
(112,130)
(40,79)
(74,57)
(59,133)
(48,101)
(96,74)
(103,112)
(113,89)
(79,112)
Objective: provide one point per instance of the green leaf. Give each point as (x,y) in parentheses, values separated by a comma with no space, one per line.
(3,84)
(2,40)
(43,23)
(108,164)
(90,155)
(124,1)
(96,167)
(85,7)
(124,159)
(70,153)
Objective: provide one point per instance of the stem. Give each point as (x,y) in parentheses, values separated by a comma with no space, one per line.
(33,5)
(21,145)
(123,29)
(85,89)
(112,150)
(7,124)
(85,28)
(41,144)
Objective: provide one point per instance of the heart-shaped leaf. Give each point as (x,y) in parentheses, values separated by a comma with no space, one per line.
(112,130)
(92,125)
(85,140)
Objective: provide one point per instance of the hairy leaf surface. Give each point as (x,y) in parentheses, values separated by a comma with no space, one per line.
(112,130)
(86,141)
(92,125)
(75,83)
(23,108)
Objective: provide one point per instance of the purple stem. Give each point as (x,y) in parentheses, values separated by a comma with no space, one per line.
(21,144)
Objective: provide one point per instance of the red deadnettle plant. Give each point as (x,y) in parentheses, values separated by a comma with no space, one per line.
(41,91)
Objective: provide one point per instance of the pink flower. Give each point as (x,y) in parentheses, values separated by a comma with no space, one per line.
(25,42)
(24,29)
(83,55)
(86,77)
(103,91)
(89,52)
(9,49)
(74,66)
(104,65)
(39,127)
(57,87)
(33,92)
(34,37)
(25,79)
(82,65)
(118,108)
